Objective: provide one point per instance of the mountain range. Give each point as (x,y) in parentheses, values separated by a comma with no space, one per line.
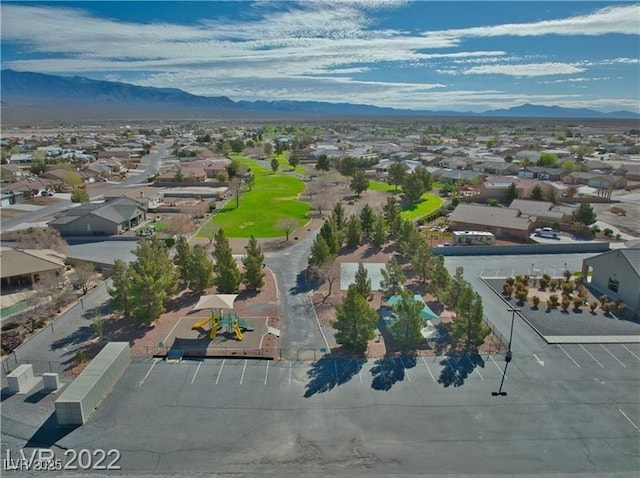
(43,94)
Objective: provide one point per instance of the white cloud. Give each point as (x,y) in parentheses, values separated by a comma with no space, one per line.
(574,80)
(615,19)
(531,69)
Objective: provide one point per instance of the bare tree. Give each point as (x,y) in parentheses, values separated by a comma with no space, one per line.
(179,224)
(83,274)
(42,238)
(212,230)
(236,187)
(287,225)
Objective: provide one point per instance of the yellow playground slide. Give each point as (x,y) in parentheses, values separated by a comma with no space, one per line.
(201,324)
(236,329)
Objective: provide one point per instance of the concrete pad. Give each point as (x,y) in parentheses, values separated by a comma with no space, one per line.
(592,339)
(348,273)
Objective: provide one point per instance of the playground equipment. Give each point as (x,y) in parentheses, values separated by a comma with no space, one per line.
(227,323)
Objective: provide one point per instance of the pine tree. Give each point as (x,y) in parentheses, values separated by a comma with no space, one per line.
(468,324)
(512,193)
(337,216)
(457,286)
(329,233)
(354,232)
(408,325)
(355,322)
(408,237)
(359,183)
(421,261)
(253,277)
(440,279)
(362,281)
(392,278)
(183,258)
(379,232)
(121,291)
(397,174)
(392,214)
(320,252)
(227,275)
(200,270)
(367,217)
(153,278)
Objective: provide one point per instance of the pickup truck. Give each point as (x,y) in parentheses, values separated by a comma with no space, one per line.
(547,232)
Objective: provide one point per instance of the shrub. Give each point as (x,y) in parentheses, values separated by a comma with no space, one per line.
(606,308)
(519,278)
(212,206)
(38,324)
(567,274)
(577,303)
(567,288)
(507,290)
(553,283)
(169,242)
(81,356)
(618,236)
(510,281)
(603,299)
(608,232)
(593,306)
(544,283)
(553,298)
(536,300)
(565,304)
(618,306)
(522,296)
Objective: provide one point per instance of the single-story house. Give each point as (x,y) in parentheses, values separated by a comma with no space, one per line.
(596,180)
(616,273)
(502,222)
(28,266)
(12,172)
(545,212)
(102,219)
(540,172)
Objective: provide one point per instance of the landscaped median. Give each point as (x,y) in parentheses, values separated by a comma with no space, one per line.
(273,196)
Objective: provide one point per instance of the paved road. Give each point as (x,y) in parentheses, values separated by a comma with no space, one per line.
(300,328)
(152,163)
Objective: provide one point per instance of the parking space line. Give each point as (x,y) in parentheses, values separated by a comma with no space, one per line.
(290,365)
(360,375)
(481,273)
(589,353)
(629,419)
(266,373)
(475,369)
(335,368)
(220,371)
(570,357)
(406,371)
(497,272)
(630,351)
(196,373)
(609,352)
(500,370)
(243,370)
(428,369)
(150,369)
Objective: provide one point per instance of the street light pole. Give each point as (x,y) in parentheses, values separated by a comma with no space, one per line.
(509,355)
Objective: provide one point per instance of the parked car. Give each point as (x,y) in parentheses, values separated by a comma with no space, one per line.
(547,232)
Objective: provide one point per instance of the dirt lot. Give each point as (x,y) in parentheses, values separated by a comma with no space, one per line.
(628,223)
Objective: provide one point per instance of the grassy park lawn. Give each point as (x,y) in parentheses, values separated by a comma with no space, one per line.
(427,204)
(273,197)
(284,164)
(382,186)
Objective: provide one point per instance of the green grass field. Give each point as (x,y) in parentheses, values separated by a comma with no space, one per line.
(427,204)
(382,186)
(284,164)
(273,197)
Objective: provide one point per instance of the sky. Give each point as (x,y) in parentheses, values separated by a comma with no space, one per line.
(460,56)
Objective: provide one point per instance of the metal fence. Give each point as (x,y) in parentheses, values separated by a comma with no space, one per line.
(501,338)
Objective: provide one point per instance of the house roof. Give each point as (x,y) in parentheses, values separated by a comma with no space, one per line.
(631,255)
(539,209)
(116,211)
(490,216)
(17,262)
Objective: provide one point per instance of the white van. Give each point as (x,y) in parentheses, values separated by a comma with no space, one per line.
(547,232)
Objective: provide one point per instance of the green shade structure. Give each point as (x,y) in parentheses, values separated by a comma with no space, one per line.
(426,312)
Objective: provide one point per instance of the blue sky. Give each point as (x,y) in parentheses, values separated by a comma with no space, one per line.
(463,56)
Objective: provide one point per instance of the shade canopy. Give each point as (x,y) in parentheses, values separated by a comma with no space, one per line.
(216,301)
(425,313)
(430,332)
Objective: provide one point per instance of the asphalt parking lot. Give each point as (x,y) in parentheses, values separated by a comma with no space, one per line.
(380,416)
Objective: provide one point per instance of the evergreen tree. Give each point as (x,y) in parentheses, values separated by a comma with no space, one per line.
(359,183)
(320,252)
(468,324)
(121,291)
(536,193)
(253,277)
(323,162)
(408,325)
(354,232)
(183,258)
(392,278)
(379,232)
(397,174)
(440,279)
(512,192)
(408,237)
(362,281)
(329,233)
(366,219)
(275,164)
(424,176)
(421,261)
(200,270)
(392,214)
(413,187)
(227,275)
(456,287)
(337,215)
(355,322)
(153,280)
(584,214)
(293,161)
